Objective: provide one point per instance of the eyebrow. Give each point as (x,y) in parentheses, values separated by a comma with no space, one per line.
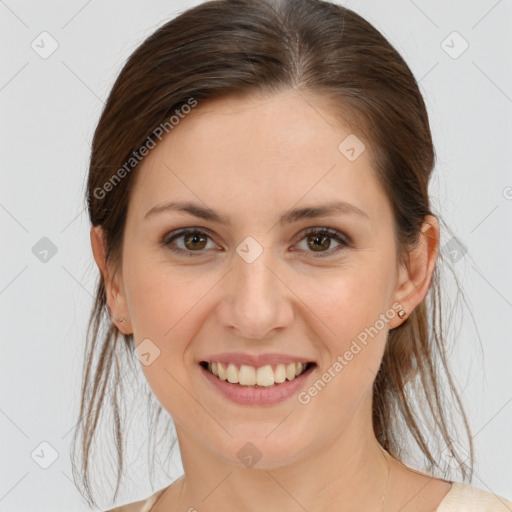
(288,217)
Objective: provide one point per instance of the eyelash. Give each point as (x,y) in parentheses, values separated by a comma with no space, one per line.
(335,235)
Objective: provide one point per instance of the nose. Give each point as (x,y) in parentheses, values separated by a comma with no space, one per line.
(257,300)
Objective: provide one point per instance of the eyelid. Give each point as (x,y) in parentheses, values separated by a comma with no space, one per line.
(168,238)
(341,238)
(343,241)
(333,233)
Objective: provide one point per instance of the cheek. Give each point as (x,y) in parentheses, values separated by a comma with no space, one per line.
(164,309)
(167,309)
(162,301)
(349,314)
(348,307)
(349,299)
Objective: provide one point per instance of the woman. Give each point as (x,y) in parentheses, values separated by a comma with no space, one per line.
(258,193)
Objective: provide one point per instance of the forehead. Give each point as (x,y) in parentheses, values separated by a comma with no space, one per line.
(257,154)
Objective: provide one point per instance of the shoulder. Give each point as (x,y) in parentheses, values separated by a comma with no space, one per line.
(136,506)
(463,497)
(139,506)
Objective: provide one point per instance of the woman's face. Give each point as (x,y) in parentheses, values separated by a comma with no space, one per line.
(258,285)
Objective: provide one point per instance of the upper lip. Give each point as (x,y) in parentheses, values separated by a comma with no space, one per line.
(240,358)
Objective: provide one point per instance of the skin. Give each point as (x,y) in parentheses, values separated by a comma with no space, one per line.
(252,159)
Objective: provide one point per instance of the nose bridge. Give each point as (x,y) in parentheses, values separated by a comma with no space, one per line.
(254,279)
(255,287)
(257,300)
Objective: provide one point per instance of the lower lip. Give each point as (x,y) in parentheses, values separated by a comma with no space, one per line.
(245,395)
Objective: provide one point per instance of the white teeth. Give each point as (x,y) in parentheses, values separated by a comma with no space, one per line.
(280,373)
(247,375)
(291,371)
(250,376)
(232,373)
(265,376)
(222,371)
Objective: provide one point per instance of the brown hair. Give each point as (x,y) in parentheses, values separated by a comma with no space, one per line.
(241,47)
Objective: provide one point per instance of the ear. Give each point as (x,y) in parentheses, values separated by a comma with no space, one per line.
(416,274)
(113,283)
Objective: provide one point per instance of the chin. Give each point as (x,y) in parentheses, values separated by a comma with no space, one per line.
(261,450)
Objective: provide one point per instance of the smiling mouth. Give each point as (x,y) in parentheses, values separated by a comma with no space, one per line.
(261,377)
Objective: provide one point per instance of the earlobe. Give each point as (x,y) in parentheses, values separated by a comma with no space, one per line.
(416,274)
(114,294)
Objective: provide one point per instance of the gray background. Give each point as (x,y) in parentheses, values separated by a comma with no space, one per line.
(49,110)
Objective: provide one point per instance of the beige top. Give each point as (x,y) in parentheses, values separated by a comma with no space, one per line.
(461,497)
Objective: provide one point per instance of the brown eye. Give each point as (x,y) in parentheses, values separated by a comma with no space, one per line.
(319,240)
(193,241)
(316,242)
